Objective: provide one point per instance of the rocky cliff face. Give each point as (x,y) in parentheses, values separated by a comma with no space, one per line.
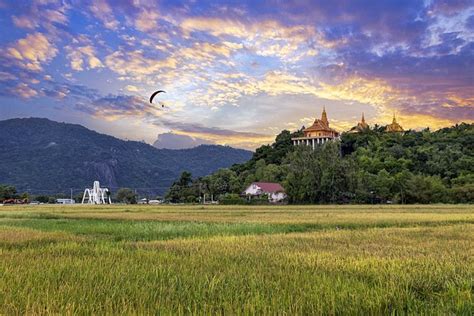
(104,170)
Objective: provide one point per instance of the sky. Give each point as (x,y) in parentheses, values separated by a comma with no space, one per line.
(236,72)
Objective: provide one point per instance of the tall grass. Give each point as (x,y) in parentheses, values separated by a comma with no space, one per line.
(52,263)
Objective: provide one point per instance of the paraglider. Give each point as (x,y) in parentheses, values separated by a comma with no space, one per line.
(154,94)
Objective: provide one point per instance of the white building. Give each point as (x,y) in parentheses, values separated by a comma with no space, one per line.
(65,201)
(274,191)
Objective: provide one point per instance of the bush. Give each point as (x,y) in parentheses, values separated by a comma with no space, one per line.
(259,200)
(462,194)
(42,198)
(127,196)
(190,199)
(232,199)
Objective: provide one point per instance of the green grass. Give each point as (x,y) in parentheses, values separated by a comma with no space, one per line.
(242,260)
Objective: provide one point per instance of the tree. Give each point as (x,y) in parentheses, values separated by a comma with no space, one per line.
(336,180)
(126,195)
(303,176)
(185,179)
(7,192)
(401,185)
(383,185)
(224,181)
(185,189)
(425,189)
(462,193)
(42,198)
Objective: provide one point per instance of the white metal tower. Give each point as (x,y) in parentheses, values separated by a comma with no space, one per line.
(96,195)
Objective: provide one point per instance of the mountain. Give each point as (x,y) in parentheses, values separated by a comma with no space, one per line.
(176,141)
(44,156)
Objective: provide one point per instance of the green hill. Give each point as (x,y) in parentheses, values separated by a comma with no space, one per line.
(44,156)
(368,167)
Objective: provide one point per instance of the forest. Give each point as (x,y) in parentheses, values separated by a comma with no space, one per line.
(372,166)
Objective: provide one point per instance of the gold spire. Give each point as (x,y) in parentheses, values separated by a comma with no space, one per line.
(324,116)
(394,127)
(362,125)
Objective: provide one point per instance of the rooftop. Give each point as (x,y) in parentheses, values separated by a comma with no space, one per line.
(270,187)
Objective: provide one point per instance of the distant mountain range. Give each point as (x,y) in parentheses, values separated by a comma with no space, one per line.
(44,156)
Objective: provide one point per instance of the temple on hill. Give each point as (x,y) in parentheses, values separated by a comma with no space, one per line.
(394,127)
(360,127)
(318,133)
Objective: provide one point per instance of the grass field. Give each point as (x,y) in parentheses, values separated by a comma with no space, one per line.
(237,260)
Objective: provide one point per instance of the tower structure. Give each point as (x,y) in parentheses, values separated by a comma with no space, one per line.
(96,195)
(394,127)
(361,126)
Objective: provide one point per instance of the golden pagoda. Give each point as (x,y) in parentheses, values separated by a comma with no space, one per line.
(361,126)
(318,133)
(394,127)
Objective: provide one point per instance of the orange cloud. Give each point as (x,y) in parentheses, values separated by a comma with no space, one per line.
(266,38)
(31,51)
(136,64)
(131,88)
(24,91)
(375,92)
(79,55)
(146,21)
(104,13)
(241,141)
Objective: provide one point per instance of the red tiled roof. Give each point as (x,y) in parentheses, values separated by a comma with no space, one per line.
(270,187)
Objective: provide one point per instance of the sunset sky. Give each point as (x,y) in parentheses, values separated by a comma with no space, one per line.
(236,72)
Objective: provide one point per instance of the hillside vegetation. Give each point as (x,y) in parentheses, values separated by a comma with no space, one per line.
(358,260)
(47,157)
(368,167)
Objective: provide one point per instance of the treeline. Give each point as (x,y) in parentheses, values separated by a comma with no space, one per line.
(368,167)
(9,193)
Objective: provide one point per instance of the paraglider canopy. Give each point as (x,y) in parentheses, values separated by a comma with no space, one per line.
(154,94)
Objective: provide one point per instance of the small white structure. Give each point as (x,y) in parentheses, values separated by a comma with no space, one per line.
(155,201)
(96,195)
(62,201)
(147,201)
(274,191)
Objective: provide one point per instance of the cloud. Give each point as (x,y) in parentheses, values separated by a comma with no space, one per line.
(5,76)
(375,92)
(179,65)
(83,54)
(265,38)
(114,107)
(31,52)
(177,141)
(215,26)
(146,21)
(24,91)
(131,88)
(101,10)
(24,22)
(136,64)
(246,66)
(45,14)
(215,135)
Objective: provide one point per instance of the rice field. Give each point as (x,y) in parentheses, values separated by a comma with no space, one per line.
(237,259)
